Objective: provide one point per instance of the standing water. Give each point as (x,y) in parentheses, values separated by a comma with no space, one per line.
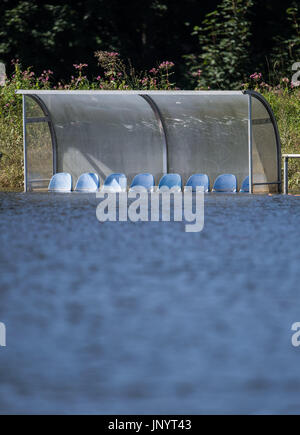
(144,317)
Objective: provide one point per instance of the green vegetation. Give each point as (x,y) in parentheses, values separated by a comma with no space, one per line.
(228,39)
(114,73)
(286,106)
(224,38)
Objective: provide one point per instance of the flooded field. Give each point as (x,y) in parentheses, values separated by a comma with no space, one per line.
(145,318)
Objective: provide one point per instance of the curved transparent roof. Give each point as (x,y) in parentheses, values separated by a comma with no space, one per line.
(105,134)
(206,134)
(161,131)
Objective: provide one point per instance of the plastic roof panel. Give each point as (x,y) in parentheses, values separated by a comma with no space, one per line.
(207,134)
(183,132)
(105,134)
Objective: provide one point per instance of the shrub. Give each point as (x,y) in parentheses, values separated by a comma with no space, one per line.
(224,46)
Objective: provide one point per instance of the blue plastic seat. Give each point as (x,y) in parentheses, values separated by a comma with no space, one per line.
(225,183)
(170,181)
(115,183)
(143,180)
(196,180)
(87,182)
(60,182)
(245,185)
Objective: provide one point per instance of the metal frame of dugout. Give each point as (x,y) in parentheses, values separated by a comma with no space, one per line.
(286,158)
(186,132)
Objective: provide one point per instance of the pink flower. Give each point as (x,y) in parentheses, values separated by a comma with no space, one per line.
(80,66)
(256,76)
(153,71)
(166,65)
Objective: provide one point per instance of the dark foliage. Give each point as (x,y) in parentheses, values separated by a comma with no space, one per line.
(55,34)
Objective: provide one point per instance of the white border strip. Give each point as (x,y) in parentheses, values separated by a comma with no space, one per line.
(142,92)
(24,143)
(250,144)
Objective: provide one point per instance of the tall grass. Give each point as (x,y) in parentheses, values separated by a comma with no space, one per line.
(286,106)
(115,74)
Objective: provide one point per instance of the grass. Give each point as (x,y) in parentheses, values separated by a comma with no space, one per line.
(284,100)
(11,147)
(286,107)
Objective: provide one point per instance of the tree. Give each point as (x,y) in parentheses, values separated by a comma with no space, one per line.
(224,41)
(286,51)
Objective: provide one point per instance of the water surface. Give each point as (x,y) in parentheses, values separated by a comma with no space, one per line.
(144,317)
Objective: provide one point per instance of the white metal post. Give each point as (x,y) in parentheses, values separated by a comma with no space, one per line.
(286,158)
(24,143)
(285,175)
(250,139)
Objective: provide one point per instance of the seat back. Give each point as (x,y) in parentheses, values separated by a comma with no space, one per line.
(87,182)
(169,181)
(196,180)
(245,185)
(143,180)
(60,182)
(115,183)
(225,183)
